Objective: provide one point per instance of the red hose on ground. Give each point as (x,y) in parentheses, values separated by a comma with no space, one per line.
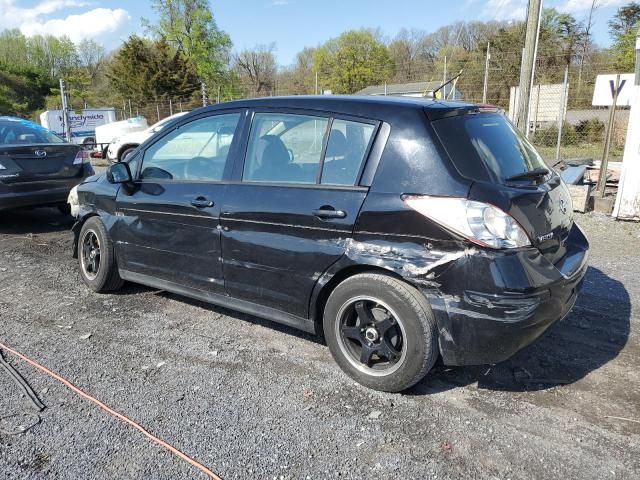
(109,410)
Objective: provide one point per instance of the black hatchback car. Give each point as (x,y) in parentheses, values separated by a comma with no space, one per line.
(400,229)
(37,167)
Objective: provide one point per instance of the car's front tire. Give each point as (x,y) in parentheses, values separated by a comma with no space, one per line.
(96,257)
(381,331)
(126,153)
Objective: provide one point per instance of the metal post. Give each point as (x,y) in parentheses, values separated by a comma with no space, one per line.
(170,107)
(563,110)
(65,112)
(534,13)
(158,111)
(444,78)
(204,94)
(602,179)
(486,74)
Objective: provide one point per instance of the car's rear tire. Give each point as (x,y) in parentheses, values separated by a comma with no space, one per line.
(381,331)
(96,257)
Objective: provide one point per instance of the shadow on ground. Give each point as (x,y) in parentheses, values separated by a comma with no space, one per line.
(34,221)
(592,335)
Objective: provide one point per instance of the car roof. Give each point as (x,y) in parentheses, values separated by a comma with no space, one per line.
(357,104)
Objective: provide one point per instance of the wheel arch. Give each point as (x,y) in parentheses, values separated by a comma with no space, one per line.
(77,227)
(330,281)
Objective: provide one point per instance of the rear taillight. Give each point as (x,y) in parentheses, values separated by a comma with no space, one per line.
(481,223)
(82,157)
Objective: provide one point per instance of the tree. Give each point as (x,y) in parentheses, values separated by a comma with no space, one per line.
(625,19)
(623,28)
(145,71)
(353,61)
(22,90)
(411,55)
(189,27)
(256,69)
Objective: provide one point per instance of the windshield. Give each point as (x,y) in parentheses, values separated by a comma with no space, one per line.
(486,146)
(23,132)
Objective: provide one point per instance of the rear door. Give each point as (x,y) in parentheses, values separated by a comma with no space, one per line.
(167,225)
(291,211)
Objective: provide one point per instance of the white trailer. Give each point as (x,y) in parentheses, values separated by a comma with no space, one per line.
(83,125)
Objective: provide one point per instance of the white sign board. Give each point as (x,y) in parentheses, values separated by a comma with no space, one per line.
(605,89)
(545,105)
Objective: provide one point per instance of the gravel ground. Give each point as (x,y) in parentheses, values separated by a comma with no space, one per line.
(251,399)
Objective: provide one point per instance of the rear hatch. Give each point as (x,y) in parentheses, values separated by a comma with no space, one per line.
(507,172)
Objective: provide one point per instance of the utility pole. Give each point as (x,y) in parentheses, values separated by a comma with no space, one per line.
(486,75)
(204,94)
(65,111)
(530,52)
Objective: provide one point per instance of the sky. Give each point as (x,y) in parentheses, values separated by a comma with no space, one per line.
(290,24)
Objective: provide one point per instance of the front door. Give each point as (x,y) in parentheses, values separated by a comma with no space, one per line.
(292,211)
(168,223)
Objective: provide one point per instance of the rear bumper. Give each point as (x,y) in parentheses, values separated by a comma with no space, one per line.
(40,193)
(505,302)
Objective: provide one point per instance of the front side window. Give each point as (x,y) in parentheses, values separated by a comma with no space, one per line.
(285,148)
(196,151)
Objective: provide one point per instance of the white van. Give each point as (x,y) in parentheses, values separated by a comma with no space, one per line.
(83,125)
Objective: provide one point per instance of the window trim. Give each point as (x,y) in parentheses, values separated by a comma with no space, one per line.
(234,150)
(330,116)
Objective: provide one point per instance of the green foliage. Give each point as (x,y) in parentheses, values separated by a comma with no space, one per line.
(624,51)
(353,61)
(189,27)
(548,137)
(145,71)
(591,131)
(22,90)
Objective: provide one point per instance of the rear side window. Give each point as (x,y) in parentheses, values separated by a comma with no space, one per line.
(347,147)
(197,151)
(486,146)
(285,148)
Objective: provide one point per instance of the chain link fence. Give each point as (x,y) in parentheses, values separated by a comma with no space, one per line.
(563,122)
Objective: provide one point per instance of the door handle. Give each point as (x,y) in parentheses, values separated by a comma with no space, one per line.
(329,212)
(201,202)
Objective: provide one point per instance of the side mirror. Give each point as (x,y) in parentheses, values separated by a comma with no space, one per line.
(119,173)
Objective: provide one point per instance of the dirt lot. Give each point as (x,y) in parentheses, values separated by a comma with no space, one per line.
(250,399)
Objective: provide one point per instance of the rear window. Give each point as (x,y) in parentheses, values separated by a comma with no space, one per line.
(486,146)
(24,132)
